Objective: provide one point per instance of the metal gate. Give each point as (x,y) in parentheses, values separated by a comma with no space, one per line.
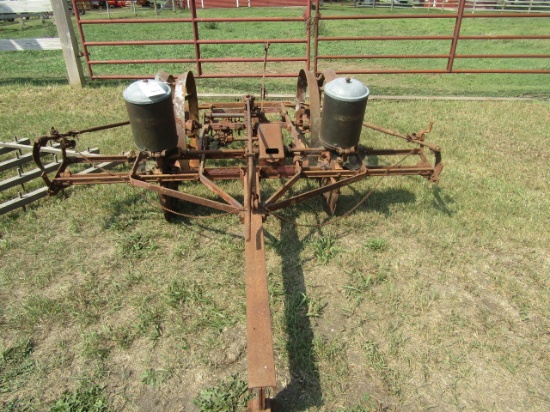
(309,43)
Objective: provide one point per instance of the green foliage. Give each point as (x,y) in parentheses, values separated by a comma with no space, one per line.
(325,249)
(156,377)
(18,405)
(4,244)
(367,404)
(181,291)
(87,398)
(374,356)
(229,396)
(15,363)
(360,283)
(95,345)
(38,308)
(137,245)
(211,25)
(376,244)
(313,306)
(123,336)
(150,315)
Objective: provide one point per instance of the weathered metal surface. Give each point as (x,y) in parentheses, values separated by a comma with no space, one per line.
(149,107)
(6,147)
(261,366)
(344,104)
(271,143)
(244,141)
(308,107)
(25,198)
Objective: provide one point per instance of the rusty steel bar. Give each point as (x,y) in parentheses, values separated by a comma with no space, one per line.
(203,60)
(198,20)
(285,188)
(261,364)
(383,56)
(434,56)
(390,16)
(204,76)
(316,35)
(385,38)
(464,71)
(441,37)
(66,180)
(308,35)
(505,37)
(98,128)
(433,16)
(406,137)
(230,200)
(502,56)
(193,8)
(505,15)
(456,34)
(316,192)
(184,196)
(190,42)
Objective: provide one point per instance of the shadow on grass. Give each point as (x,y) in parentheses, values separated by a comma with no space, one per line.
(379,201)
(124,212)
(304,389)
(441,201)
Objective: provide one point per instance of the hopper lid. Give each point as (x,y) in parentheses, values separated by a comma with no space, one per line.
(346,89)
(146,91)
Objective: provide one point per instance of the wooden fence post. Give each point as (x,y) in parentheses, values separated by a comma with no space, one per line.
(69,45)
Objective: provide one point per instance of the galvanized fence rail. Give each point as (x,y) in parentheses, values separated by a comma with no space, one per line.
(15,174)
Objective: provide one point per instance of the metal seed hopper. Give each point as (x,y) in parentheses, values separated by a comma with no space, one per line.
(315,137)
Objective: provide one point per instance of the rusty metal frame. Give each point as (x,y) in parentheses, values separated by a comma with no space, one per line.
(193,160)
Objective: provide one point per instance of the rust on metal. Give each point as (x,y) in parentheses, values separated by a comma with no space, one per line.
(261,366)
(247,142)
(271,143)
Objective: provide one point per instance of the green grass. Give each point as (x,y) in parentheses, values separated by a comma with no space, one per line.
(229,395)
(88,397)
(47,66)
(426,297)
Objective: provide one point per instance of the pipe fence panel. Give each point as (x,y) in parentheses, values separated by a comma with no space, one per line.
(423,49)
(367,37)
(196,43)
